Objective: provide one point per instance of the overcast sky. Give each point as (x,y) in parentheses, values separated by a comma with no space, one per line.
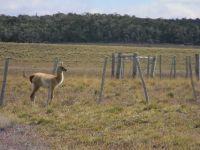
(138,8)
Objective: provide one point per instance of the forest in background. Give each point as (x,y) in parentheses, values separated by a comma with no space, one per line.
(109,28)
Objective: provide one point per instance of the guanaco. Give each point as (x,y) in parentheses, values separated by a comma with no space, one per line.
(48,81)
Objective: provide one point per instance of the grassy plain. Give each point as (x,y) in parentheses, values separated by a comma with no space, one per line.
(122,121)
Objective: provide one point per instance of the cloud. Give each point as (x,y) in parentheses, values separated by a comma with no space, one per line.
(180,8)
(167,9)
(41,7)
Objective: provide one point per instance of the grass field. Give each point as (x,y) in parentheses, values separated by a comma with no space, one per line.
(122,121)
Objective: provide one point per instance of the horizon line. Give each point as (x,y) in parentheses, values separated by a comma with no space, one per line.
(85,13)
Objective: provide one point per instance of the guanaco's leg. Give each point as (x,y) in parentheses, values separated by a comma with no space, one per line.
(50,95)
(34,90)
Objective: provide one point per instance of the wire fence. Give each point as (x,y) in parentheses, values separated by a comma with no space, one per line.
(168,65)
(163,66)
(93,67)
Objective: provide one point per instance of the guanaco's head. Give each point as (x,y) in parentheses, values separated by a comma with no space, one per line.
(61,69)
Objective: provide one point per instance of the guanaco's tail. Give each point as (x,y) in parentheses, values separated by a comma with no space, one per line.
(31,78)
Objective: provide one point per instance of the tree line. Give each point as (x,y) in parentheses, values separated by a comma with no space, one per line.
(63,28)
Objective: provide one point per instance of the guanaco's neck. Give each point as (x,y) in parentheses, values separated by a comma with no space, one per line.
(59,77)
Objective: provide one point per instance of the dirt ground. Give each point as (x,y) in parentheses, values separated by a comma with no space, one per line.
(21,137)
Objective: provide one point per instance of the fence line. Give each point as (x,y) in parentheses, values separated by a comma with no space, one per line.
(118,70)
(161,70)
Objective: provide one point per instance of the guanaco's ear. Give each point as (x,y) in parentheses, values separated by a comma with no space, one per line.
(61,63)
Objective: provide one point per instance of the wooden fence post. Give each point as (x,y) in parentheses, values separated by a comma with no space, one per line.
(113,66)
(116,64)
(122,67)
(102,81)
(143,82)
(2,100)
(197,66)
(191,78)
(153,67)
(160,66)
(118,74)
(173,68)
(134,73)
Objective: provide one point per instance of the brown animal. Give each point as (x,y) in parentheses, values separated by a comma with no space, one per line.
(48,81)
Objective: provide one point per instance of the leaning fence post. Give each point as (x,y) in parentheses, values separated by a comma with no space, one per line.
(143,82)
(191,77)
(2,100)
(197,66)
(102,81)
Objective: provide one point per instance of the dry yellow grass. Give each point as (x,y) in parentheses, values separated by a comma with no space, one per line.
(122,121)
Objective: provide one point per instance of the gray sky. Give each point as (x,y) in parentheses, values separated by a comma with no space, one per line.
(139,8)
